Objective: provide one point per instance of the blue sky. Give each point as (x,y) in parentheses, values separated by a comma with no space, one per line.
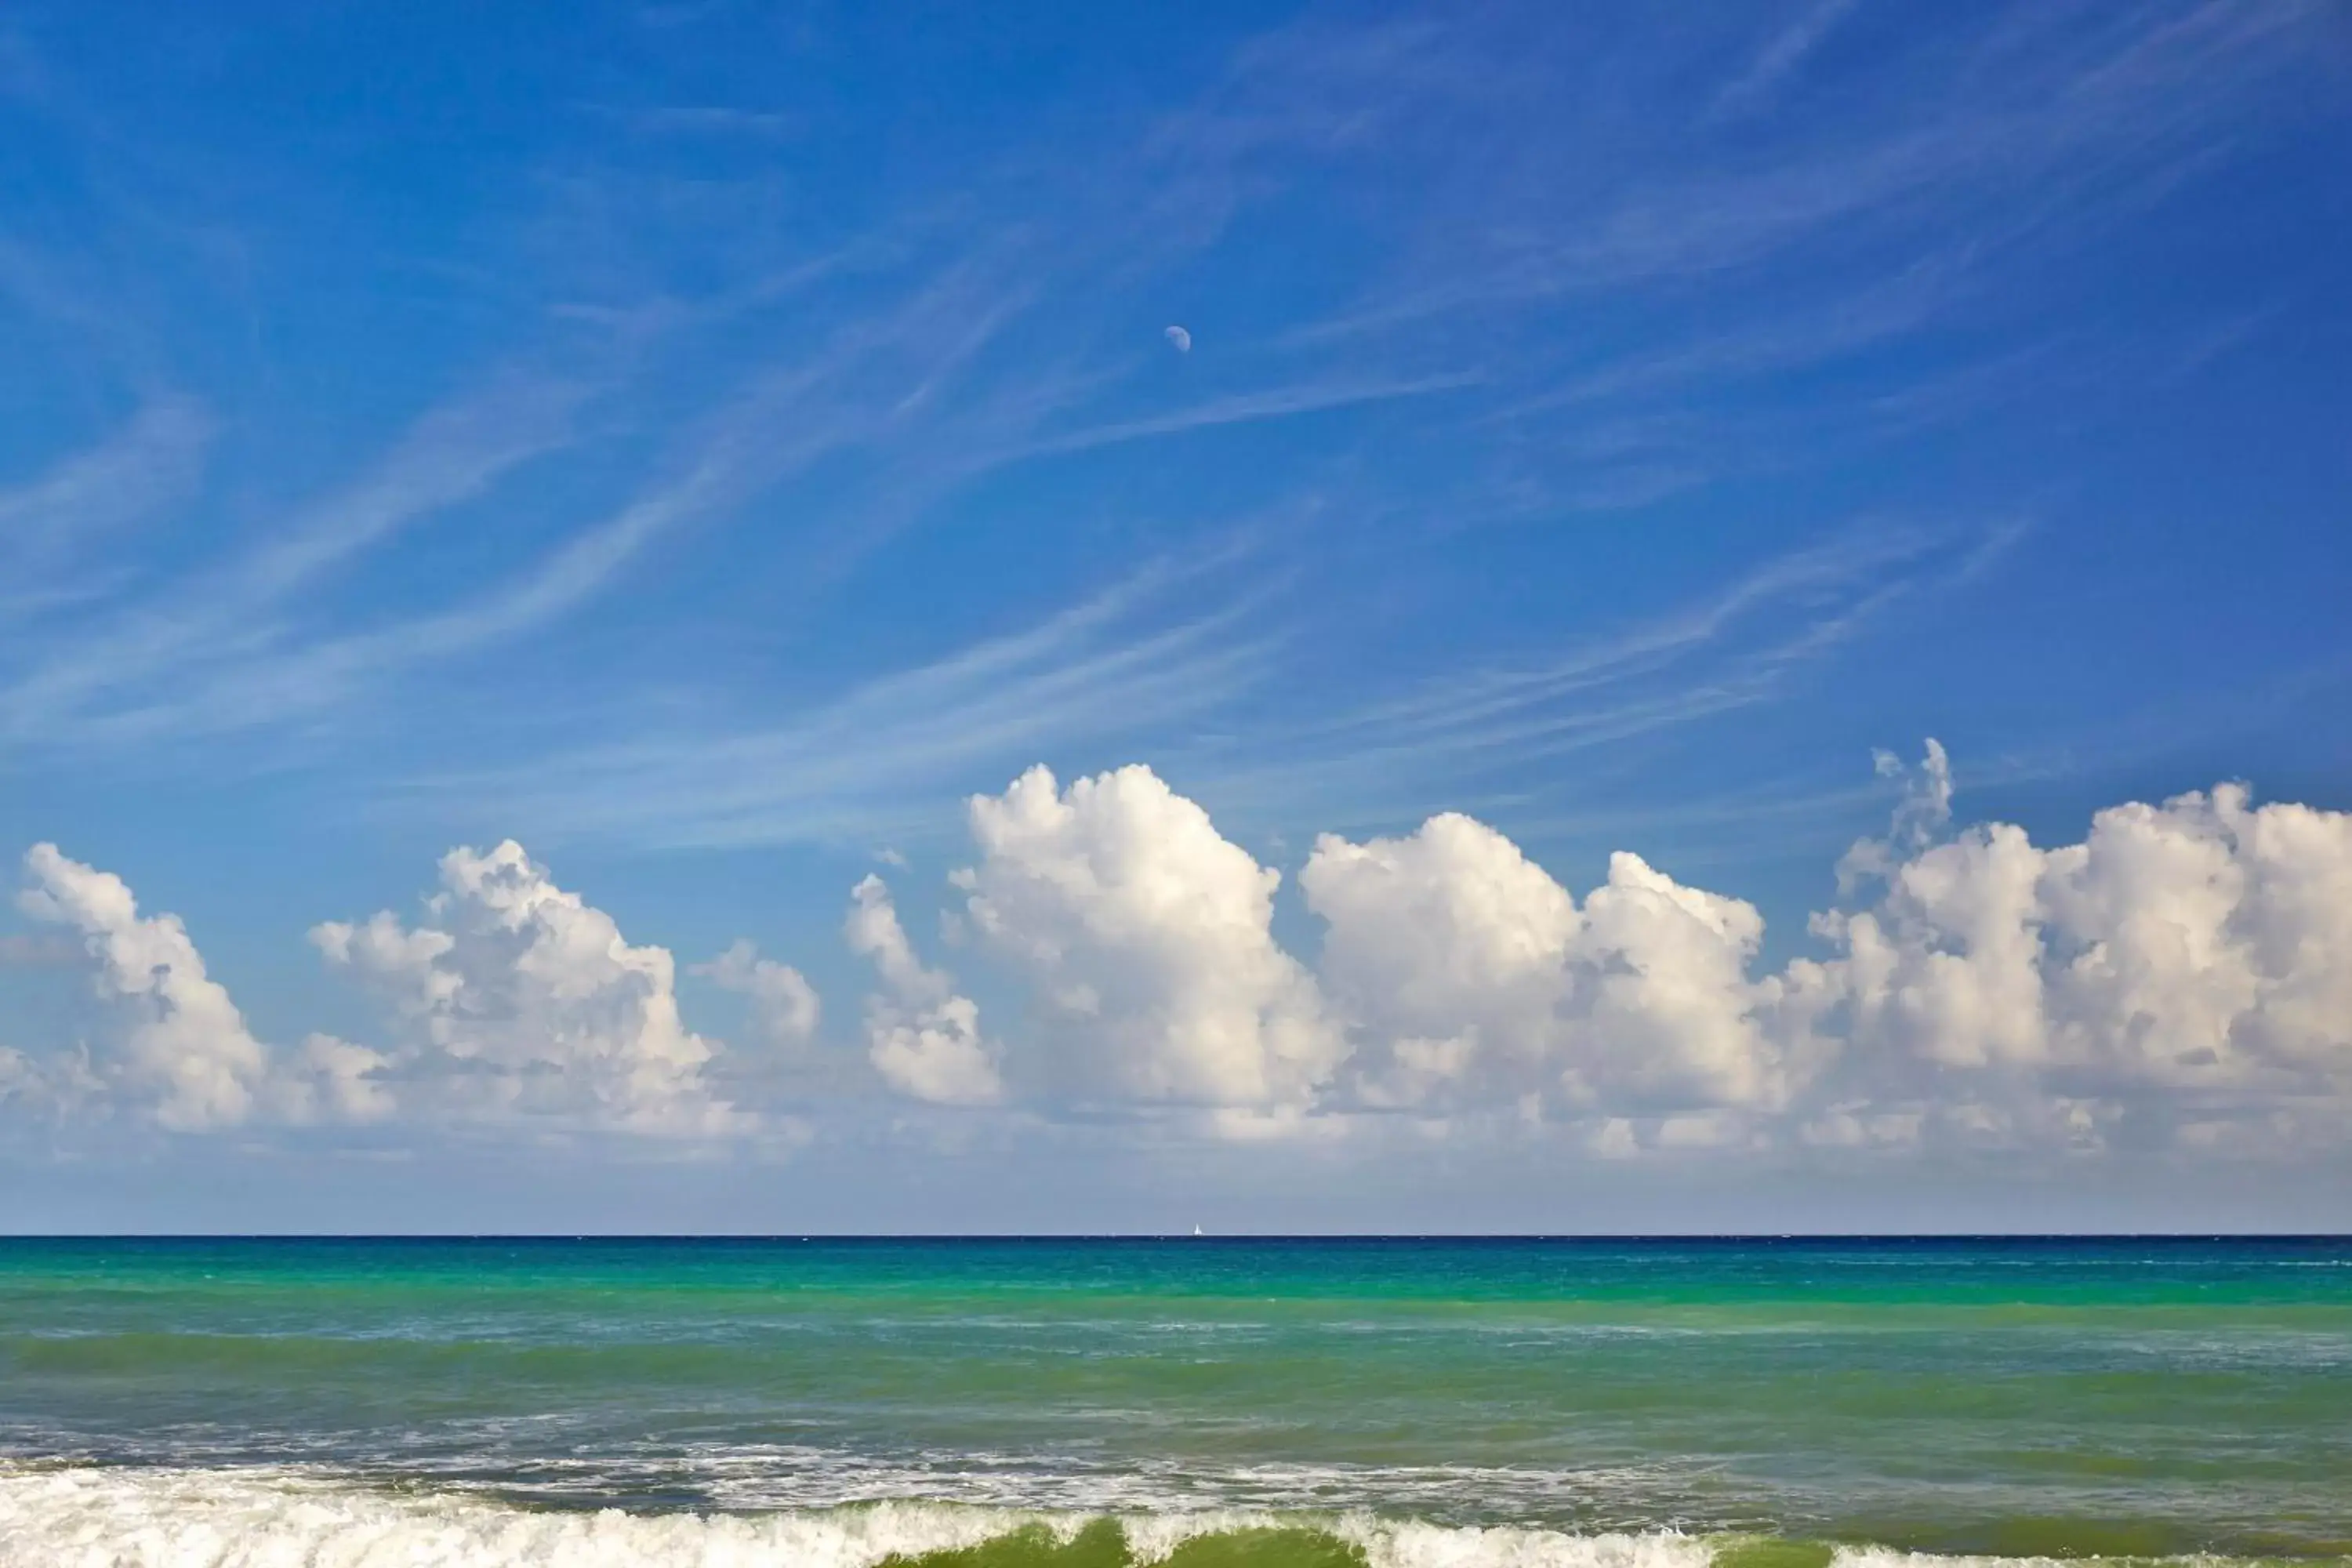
(709,445)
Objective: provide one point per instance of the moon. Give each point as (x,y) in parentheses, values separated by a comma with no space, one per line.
(1180,339)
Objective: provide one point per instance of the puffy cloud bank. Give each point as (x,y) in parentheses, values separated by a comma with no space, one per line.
(2182,975)
(2187,967)
(512,998)
(2183,972)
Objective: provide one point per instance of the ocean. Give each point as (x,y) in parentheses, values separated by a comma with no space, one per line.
(1203,1403)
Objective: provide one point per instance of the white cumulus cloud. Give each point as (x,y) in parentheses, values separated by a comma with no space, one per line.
(785,1005)
(1471,977)
(1148,937)
(1448,950)
(922,1037)
(2189,962)
(179,1049)
(515,997)
(184,1045)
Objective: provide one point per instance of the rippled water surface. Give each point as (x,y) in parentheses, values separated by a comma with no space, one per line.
(1409,1402)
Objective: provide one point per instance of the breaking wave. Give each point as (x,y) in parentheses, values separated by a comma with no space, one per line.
(211,1518)
(75,1516)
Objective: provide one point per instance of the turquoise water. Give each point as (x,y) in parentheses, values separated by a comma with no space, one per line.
(1433,1402)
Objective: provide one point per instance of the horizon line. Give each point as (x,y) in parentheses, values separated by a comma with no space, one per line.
(1140,1236)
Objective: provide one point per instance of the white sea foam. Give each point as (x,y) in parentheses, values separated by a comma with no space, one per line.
(95,1518)
(1412,1545)
(196,1518)
(552,1460)
(1407,1543)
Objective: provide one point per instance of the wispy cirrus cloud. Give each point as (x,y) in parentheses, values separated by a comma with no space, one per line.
(878,759)
(150,461)
(1746,644)
(762,405)
(2000,137)
(1781,56)
(191,633)
(1248,408)
(1194,656)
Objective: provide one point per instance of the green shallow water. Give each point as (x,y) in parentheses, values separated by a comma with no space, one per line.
(1761,1404)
